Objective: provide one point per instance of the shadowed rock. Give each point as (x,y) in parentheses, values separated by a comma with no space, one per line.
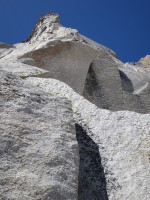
(92,182)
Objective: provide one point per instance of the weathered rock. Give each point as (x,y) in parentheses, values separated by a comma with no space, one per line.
(38,147)
(136,92)
(145,61)
(47,24)
(66,61)
(55,144)
(114,147)
(103,76)
(24,70)
(71,58)
(5,49)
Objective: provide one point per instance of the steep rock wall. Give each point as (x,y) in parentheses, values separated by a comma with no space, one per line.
(38,147)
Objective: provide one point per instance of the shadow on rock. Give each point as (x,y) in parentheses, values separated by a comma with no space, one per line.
(126,82)
(92,182)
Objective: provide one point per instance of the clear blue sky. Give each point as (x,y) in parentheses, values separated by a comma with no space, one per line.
(122,25)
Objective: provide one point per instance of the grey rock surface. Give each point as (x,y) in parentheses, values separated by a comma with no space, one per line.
(23,70)
(114,147)
(70,57)
(66,61)
(38,147)
(103,76)
(70,119)
(137,89)
(5,49)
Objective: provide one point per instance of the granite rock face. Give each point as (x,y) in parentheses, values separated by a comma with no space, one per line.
(37,136)
(91,69)
(74,119)
(113,147)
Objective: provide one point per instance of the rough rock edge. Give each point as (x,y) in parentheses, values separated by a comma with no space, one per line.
(40,20)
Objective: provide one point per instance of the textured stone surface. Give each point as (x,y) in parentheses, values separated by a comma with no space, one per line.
(62,53)
(23,70)
(74,59)
(145,61)
(38,147)
(114,147)
(66,61)
(103,76)
(55,140)
(137,90)
(5,49)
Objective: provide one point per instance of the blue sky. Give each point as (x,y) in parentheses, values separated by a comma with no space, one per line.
(122,25)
